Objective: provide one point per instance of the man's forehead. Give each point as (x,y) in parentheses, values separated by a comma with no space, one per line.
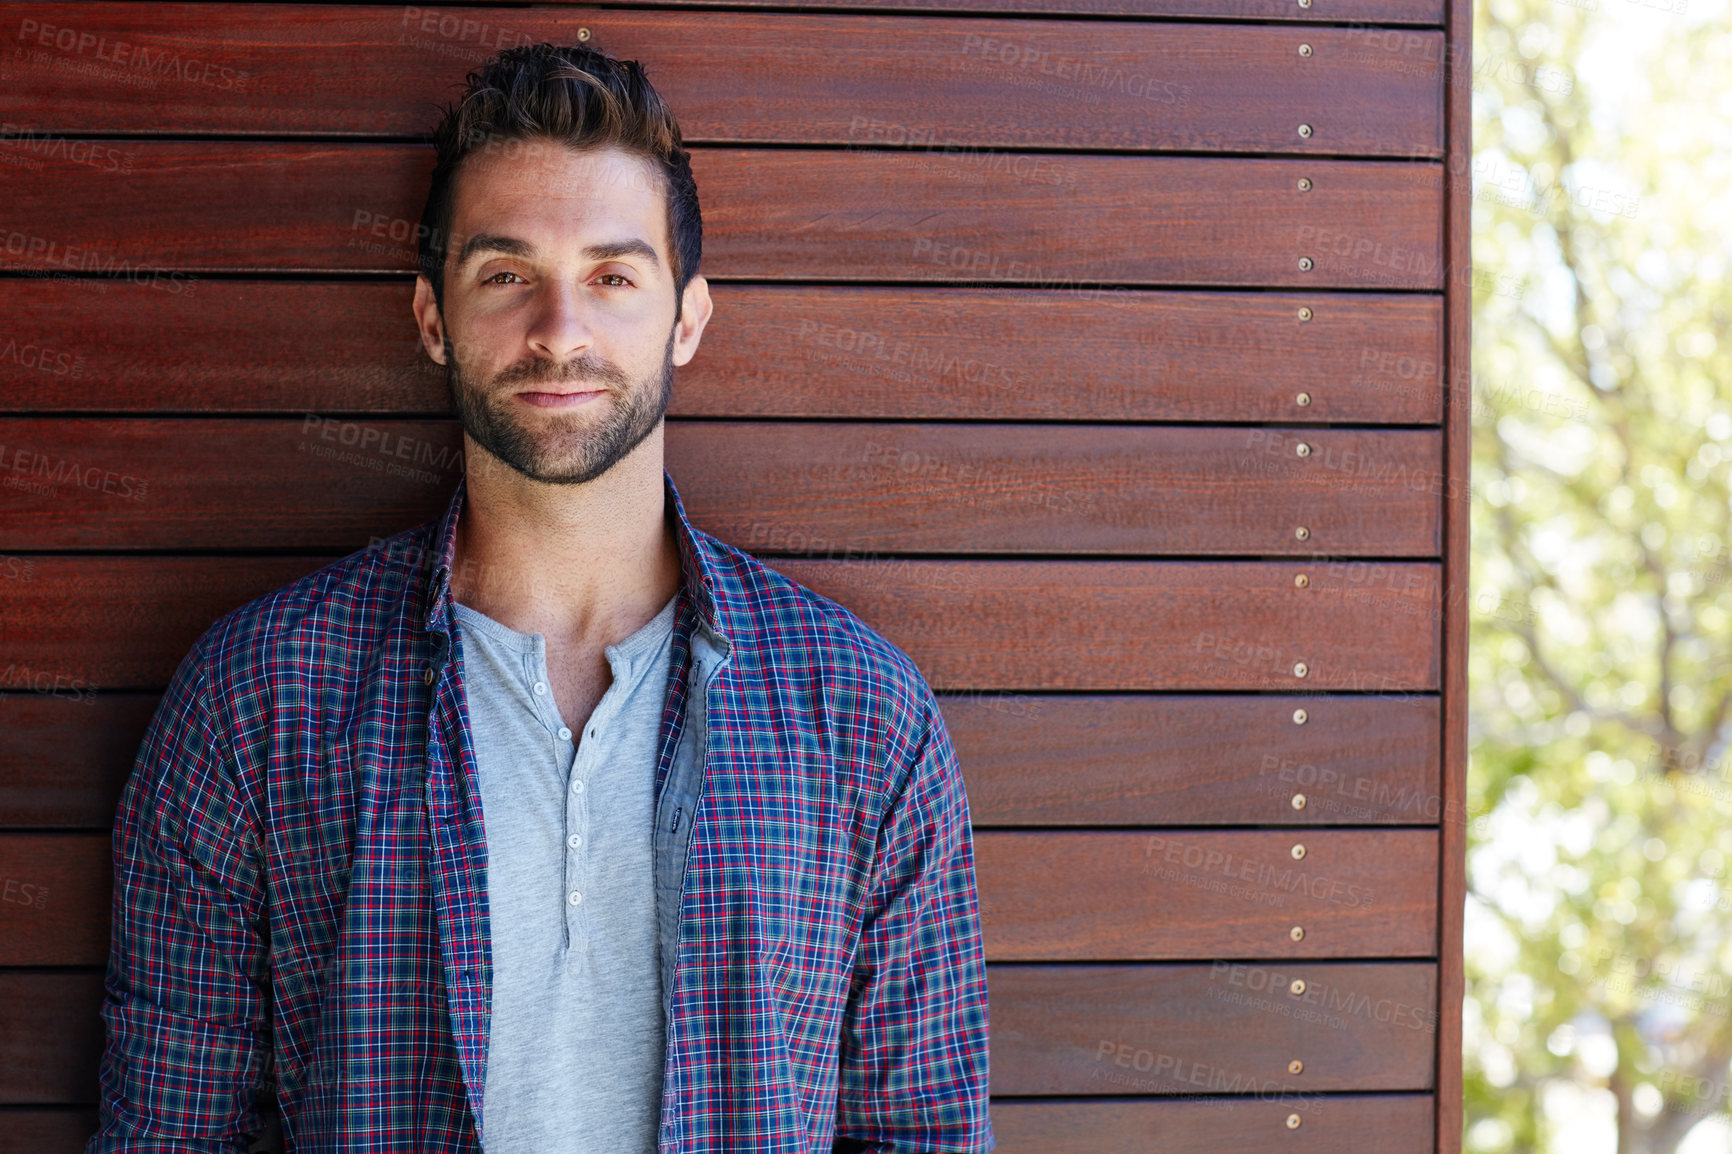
(545,168)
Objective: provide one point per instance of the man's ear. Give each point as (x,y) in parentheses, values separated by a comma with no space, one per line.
(428,320)
(695,309)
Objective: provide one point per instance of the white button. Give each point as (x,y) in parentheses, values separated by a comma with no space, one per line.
(574,897)
(564,734)
(577,786)
(541,687)
(574,841)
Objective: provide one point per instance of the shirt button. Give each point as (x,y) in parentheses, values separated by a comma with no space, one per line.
(541,687)
(577,786)
(574,841)
(574,897)
(564,734)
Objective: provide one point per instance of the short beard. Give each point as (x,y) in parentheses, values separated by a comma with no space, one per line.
(567,457)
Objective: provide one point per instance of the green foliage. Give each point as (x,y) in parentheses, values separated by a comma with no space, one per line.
(1599,1008)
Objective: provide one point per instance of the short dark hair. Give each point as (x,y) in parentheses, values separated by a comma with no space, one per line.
(574,96)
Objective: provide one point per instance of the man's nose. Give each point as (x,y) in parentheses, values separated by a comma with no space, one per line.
(561,328)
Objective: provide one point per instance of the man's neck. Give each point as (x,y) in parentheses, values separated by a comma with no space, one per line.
(585,564)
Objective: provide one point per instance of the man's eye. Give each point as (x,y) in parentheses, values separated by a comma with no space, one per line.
(616,277)
(494,278)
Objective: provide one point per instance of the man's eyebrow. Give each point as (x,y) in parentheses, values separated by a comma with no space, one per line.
(512,246)
(493,242)
(617,248)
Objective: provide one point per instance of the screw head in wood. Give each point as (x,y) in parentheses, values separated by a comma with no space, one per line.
(1300,669)
(1302,449)
(1298,801)
(1296,987)
(1304,184)
(1295,1067)
(1304,312)
(1305,131)
(1292,1121)
(1305,50)
(1300,717)
(583,34)
(1297,933)
(1301,580)
(1304,264)
(1302,399)
(1302,533)
(1299,853)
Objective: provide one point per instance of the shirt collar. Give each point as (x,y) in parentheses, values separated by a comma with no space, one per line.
(697,564)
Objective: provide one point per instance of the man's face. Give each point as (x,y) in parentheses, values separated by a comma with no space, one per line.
(558,334)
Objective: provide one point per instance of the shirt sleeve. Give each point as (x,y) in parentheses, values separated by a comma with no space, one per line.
(187,987)
(914,1033)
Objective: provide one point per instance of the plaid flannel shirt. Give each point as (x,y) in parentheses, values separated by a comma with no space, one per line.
(300,902)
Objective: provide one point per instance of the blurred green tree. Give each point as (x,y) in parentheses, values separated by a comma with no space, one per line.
(1598,1015)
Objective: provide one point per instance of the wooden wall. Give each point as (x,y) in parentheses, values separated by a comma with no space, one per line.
(1108,355)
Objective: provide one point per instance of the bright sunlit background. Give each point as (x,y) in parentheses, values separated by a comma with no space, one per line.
(1599,916)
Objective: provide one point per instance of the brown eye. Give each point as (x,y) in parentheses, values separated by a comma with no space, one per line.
(614,276)
(494,278)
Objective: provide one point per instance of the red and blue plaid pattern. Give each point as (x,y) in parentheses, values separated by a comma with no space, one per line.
(300,894)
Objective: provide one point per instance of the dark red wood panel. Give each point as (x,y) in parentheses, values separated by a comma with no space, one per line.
(50,1036)
(64,758)
(1044,896)
(1055,1030)
(781,487)
(1228,1027)
(1021,625)
(1367,627)
(85,624)
(1027,759)
(207,206)
(769,351)
(944,84)
(1175,894)
(1396,12)
(1328,1124)
(46,1129)
(1197,759)
(55,890)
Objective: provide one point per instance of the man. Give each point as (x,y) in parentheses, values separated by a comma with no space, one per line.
(554,824)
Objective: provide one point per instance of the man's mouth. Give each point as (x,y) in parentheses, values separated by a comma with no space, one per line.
(561,399)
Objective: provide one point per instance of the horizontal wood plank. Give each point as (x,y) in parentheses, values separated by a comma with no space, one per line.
(1328,1124)
(1196,760)
(769,351)
(946,84)
(1157,1030)
(51,1036)
(1044,896)
(64,758)
(47,1129)
(1018,625)
(1397,12)
(55,890)
(1332,1124)
(1027,760)
(1109,222)
(1167,895)
(1222,1028)
(1367,627)
(851,489)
